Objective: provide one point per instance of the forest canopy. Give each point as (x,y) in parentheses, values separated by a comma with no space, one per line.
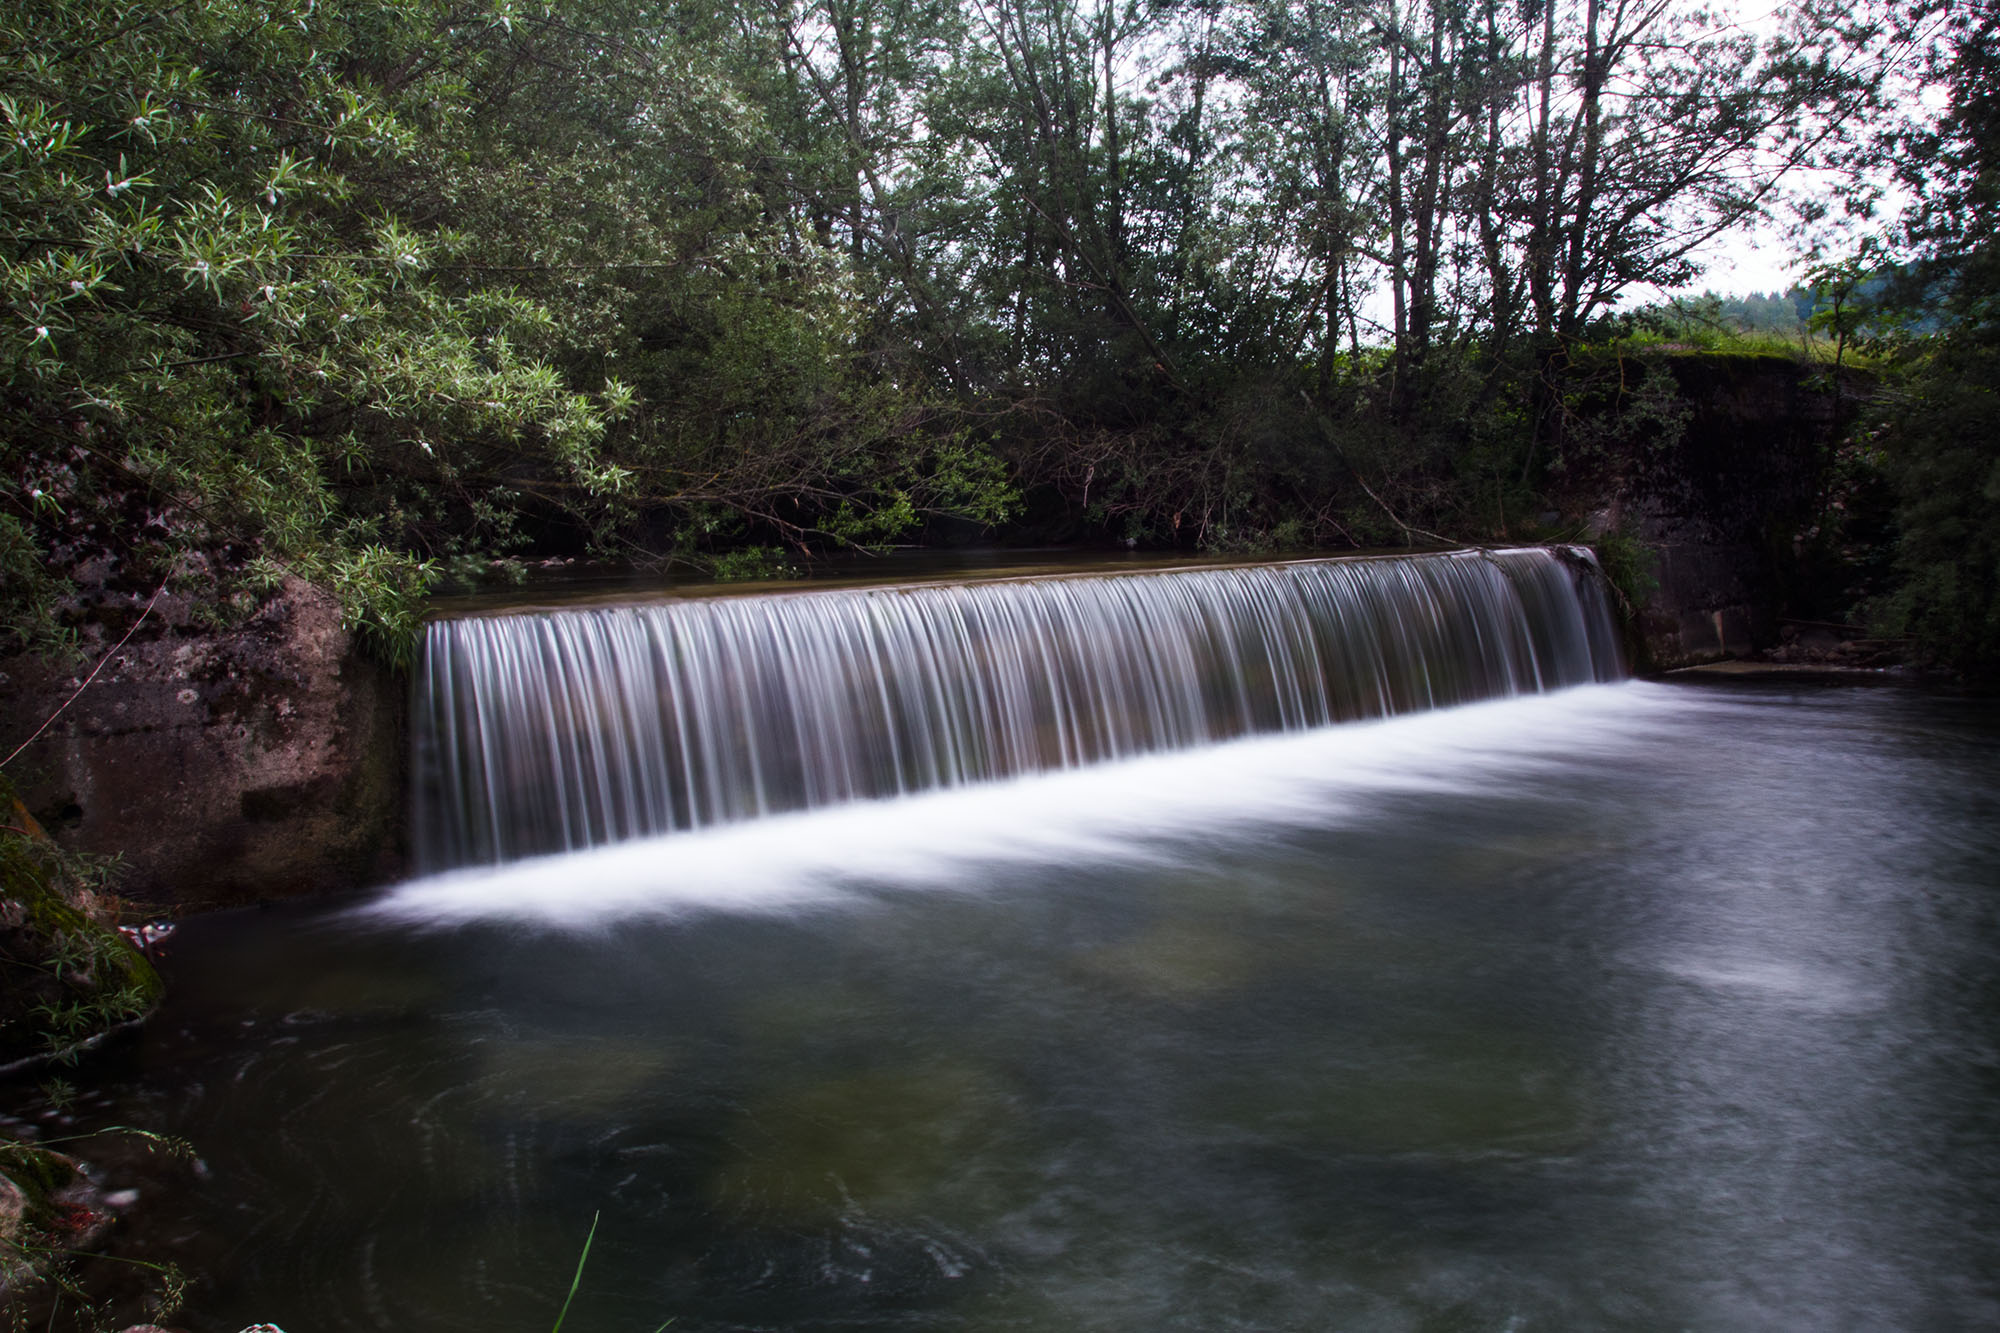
(370,292)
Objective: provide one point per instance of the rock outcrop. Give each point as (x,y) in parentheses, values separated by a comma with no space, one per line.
(225,766)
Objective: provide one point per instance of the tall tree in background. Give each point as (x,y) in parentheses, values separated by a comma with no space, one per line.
(1308,72)
(350,291)
(343,290)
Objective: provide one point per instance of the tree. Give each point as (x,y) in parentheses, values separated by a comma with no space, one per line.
(368,291)
(205,330)
(1943,436)
(345,291)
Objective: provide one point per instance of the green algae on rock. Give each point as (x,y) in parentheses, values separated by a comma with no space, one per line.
(69,976)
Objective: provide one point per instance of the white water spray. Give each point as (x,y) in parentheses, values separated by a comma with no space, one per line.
(548,733)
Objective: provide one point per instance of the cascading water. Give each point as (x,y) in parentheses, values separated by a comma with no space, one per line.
(545,733)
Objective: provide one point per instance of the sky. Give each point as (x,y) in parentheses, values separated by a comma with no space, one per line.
(1760,258)
(1757,260)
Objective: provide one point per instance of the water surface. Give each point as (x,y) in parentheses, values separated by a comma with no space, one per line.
(1633,1006)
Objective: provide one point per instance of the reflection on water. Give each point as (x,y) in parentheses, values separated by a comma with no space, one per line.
(1630,1007)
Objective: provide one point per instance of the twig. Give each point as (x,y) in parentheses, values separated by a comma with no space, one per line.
(203,360)
(50,720)
(1408,529)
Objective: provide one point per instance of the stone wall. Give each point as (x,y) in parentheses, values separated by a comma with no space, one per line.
(225,768)
(1723,505)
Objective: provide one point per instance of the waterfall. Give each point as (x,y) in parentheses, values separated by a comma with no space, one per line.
(548,732)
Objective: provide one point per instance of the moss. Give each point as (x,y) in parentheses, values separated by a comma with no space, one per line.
(67,976)
(54,1217)
(1630,568)
(31,1179)
(39,1173)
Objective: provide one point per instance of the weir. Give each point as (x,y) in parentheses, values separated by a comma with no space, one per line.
(551,732)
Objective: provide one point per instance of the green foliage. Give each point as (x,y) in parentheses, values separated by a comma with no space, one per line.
(576,1279)
(40,1261)
(29,594)
(344,291)
(1616,399)
(1630,568)
(70,977)
(1840,317)
(1941,434)
(375,292)
(205,323)
(1940,438)
(752,563)
(67,978)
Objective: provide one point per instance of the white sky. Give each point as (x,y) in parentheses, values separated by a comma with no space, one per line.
(1757,258)
(1743,264)
(1760,258)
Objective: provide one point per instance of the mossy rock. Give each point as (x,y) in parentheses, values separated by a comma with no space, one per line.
(32,1185)
(50,1212)
(38,1173)
(66,979)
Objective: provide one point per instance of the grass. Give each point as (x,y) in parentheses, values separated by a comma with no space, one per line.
(576,1279)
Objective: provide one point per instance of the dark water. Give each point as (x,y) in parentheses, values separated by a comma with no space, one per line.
(1635,1006)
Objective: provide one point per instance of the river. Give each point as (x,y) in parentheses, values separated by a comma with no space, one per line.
(1638,1005)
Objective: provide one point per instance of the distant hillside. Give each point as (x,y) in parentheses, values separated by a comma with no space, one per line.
(1789,314)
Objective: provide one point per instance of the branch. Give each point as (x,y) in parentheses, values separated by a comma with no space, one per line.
(1408,528)
(50,721)
(116,33)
